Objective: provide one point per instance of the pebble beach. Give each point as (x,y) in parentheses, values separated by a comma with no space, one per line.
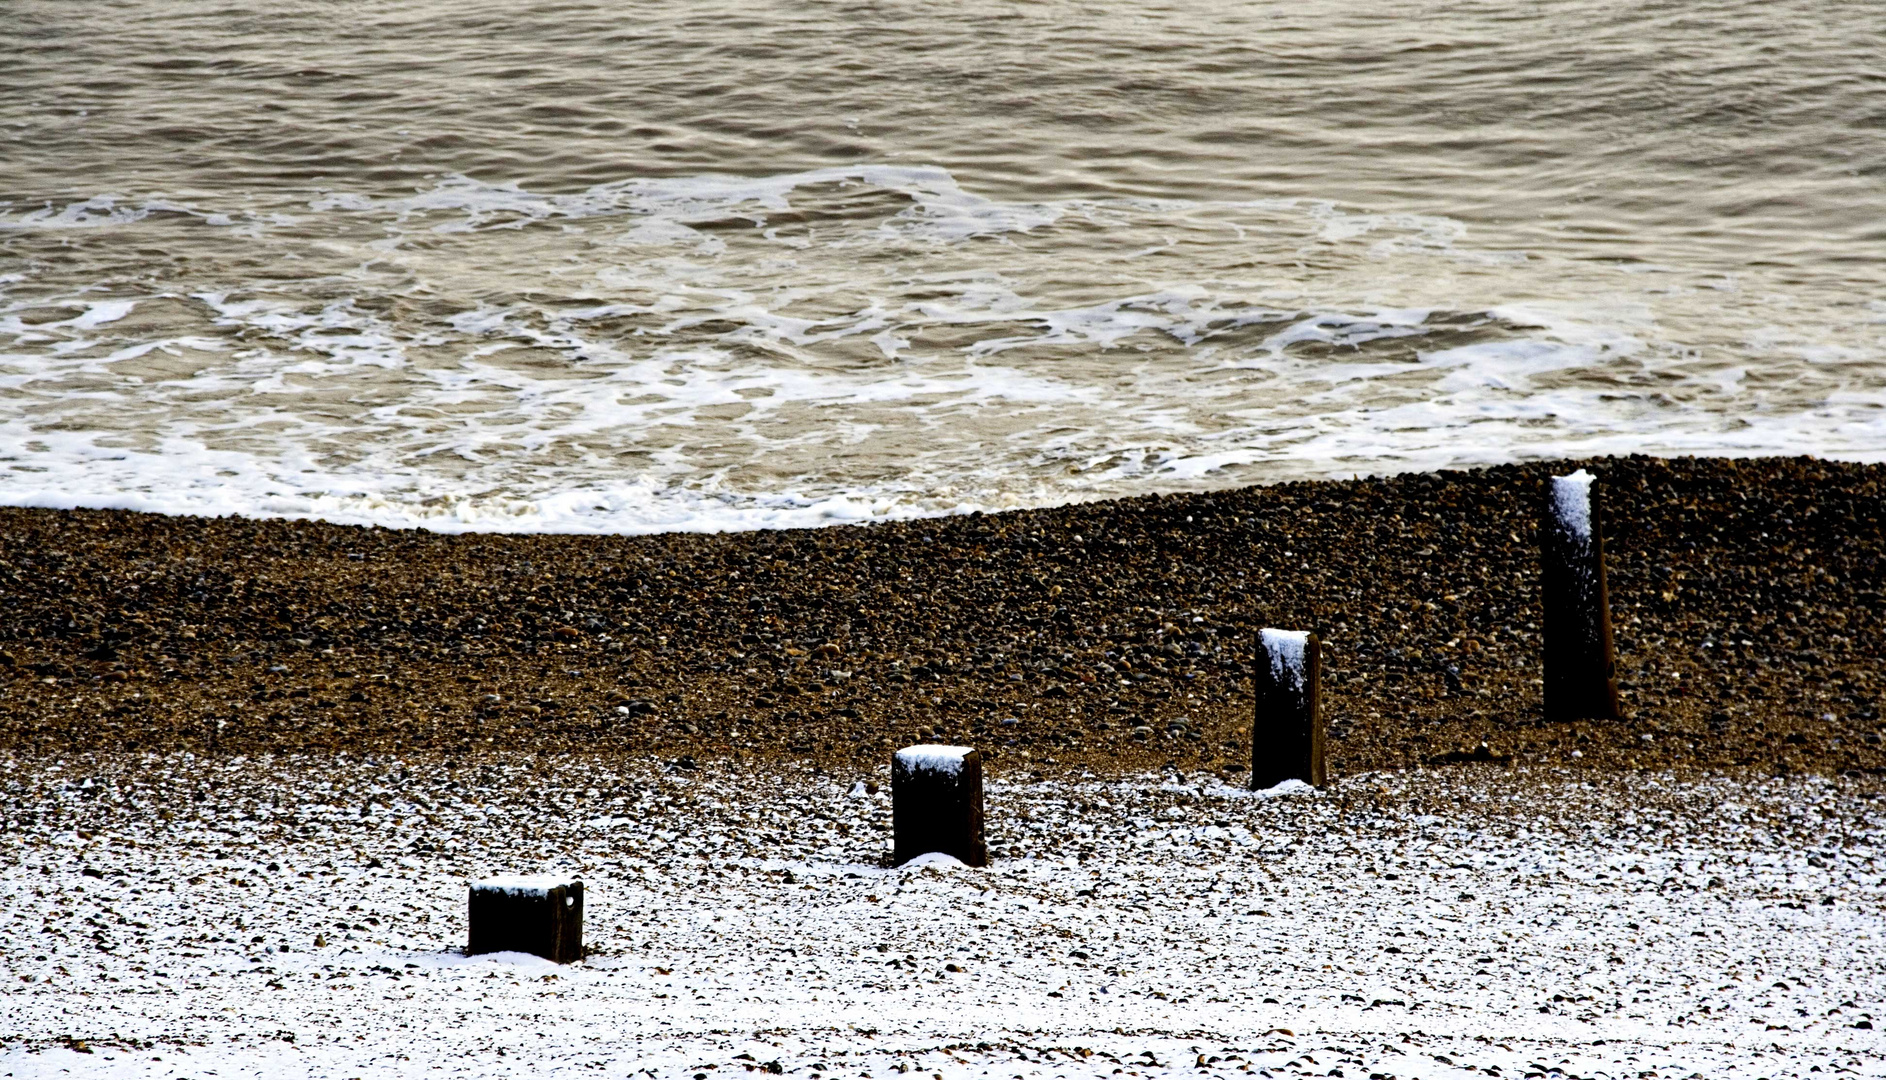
(304,916)
(251,765)
(1747,599)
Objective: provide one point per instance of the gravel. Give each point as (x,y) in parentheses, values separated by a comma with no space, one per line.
(1749,596)
(300,915)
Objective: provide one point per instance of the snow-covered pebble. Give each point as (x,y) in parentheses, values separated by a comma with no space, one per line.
(180,916)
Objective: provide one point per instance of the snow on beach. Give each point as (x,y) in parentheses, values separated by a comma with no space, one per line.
(301,917)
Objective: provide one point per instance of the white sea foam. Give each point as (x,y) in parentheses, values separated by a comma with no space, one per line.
(854,344)
(940,209)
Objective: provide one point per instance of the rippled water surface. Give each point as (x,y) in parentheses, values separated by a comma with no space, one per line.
(711,265)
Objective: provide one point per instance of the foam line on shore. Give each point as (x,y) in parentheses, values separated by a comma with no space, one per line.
(721,353)
(183,478)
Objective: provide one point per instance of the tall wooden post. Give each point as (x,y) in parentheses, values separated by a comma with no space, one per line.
(1287,729)
(936,803)
(1580,661)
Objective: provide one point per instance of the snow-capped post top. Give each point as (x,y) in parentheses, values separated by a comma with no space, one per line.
(1571,503)
(540,915)
(936,803)
(523,885)
(1285,648)
(932,757)
(1287,726)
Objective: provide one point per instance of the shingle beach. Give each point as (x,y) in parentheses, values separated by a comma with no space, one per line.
(1749,599)
(251,766)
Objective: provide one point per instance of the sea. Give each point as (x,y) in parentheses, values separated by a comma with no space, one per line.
(630,267)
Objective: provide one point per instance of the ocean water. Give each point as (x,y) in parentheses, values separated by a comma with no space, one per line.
(627,267)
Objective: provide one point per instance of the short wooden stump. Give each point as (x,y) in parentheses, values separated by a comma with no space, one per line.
(542,916)
(936,803)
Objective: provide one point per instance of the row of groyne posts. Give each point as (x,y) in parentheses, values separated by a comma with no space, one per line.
(936,791)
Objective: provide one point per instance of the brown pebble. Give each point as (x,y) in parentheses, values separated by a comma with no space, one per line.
(1746,598)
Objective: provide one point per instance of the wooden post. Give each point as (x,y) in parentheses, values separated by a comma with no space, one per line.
(936,803)
(1580,661)
(1287,730)
(542,916)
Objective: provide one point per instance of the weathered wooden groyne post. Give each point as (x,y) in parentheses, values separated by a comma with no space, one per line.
(1287,727)
(936,803)
(1580,660)
(542,916)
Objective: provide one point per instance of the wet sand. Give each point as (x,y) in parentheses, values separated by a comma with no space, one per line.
(1748,600)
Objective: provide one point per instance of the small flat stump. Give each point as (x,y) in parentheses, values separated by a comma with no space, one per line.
(542,916)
